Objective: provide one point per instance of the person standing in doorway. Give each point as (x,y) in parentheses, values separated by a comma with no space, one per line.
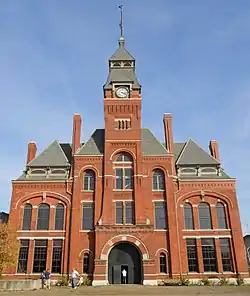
(74,276)
(47,279)
(124,275)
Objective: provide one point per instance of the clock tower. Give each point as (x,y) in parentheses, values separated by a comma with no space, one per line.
(122,97)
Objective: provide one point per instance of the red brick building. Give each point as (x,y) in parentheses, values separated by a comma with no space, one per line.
(124,200)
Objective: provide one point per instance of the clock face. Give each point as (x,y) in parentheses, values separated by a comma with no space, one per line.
(122,92)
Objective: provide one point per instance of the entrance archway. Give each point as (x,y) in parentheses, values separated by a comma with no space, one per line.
(124,256)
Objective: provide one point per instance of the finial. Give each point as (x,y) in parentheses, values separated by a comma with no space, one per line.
(121,20)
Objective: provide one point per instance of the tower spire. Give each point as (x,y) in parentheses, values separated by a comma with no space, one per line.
(121,21)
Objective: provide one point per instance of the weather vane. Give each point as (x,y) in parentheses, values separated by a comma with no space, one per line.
(121,21)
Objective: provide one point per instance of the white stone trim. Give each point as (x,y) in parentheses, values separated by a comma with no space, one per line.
(40,237)
(207,236)
(150,282)
(100,283)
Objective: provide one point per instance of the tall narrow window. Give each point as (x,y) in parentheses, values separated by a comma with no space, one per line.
(40,255)
(221,216)
(23,256)
(160,215)
(59,219)
(163,263)
(205,216)
(125,212)
(124,172)
(192,255)
(57,256)
(158,180)
(129,212)
(27,215)
(188,216)
(209,255)
(43,217)
(89,180)
(119,212)
(86,263)
(88,216)
(226,256)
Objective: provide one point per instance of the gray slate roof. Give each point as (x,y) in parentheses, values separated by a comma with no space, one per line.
(193,154)
(150,145)
(122,75)
(95,144)
(54,156)
(121,54)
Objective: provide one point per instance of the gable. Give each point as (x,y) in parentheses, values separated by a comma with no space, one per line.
(150,145)
(193,154)
(95,144)
(53,155)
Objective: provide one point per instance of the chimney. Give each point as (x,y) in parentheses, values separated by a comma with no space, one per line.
(214,149)
(169,143)
(76,137)
(31,151)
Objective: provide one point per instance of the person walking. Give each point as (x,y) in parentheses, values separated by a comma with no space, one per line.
(47,279)
(74,276)
(124,274)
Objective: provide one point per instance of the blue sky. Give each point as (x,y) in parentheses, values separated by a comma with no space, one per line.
(192,59)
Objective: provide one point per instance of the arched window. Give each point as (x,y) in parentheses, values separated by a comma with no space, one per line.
(43,217)
(158,180)
(89,181)
(27,214)
(124,172)
(59,219)
(205,216)
(188,216)
(163,263)
(124,157)
(86,263)
(221,216)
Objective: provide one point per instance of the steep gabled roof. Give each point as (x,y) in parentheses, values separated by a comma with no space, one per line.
(193,154)
(121,53)
(150,145)
(53,155)
(178,147)
(95,144)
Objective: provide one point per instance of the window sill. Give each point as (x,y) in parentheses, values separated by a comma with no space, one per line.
(88,191)
(122,190)
(161,190)
(30,231)
(158,230)
(87,230)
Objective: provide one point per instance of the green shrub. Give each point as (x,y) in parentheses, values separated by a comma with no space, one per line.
(205,281)
(223,282)
(239,280)
(184,281)
(63,281)
(86,281)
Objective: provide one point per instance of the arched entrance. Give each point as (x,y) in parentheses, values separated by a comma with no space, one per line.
(124,256)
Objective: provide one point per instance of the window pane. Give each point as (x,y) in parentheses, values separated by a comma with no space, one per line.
(86,263)
(158,180)
(226,254)
(160,215)
(192,255)
(23,256)
(119,213)
(119,178)
(59,219)
(163,263)
(221,216)
(87,219)
(188,216)
(129,213)
(205,216)
(209,255)
(89,180)
(40,256)
(43,217)
(27,214)
(57,256)
(128,178)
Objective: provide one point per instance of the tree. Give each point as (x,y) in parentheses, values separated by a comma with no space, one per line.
(9,247)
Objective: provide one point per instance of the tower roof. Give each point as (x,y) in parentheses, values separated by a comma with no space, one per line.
(121,53)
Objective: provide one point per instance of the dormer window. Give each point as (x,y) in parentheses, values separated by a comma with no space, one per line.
(58,172)
(38,172)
